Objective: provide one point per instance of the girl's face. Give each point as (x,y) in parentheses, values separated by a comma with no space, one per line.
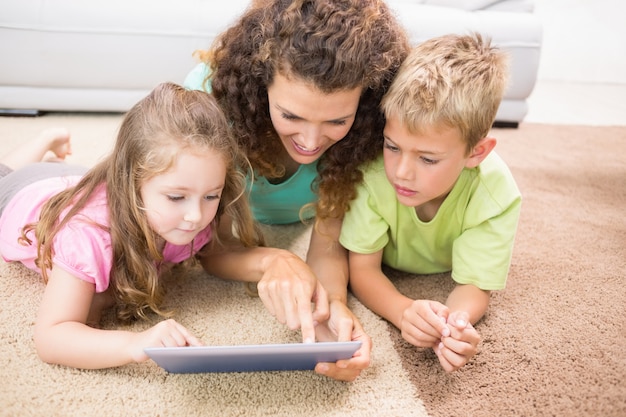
(183,201)
(308,121)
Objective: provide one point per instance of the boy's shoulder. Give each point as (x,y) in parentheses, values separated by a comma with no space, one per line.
(494,172)
(373,170)
(488,189)
(375,183)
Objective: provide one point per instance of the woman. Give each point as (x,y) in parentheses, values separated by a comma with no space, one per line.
(301,82)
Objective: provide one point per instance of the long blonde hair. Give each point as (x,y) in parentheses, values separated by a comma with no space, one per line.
(170,117)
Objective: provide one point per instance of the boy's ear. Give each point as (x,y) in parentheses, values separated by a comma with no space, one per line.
(480,152)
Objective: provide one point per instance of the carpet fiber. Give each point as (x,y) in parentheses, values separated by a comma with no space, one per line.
(553,340)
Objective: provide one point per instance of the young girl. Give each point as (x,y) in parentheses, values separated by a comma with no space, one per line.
(104,238)
(301,82)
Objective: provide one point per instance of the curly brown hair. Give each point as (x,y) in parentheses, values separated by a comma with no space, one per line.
(334,45)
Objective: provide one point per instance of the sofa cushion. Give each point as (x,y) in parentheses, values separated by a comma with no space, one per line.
(518,33)
(77,55)
(473,5)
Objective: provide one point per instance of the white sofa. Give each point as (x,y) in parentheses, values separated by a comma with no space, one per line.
(82,55)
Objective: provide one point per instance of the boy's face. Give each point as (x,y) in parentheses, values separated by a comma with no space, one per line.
(423,168)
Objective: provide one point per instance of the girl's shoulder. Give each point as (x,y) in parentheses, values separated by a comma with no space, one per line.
(83,246)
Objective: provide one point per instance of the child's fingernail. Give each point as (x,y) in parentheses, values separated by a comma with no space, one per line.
(440,346)
(461,323)
(445,332)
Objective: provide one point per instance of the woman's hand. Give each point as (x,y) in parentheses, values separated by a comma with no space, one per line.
(343,326)
(287,289)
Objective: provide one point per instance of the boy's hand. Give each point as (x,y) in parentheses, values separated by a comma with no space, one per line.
(423,323)
(458,348)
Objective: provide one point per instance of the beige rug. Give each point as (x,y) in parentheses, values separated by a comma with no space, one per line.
(553,340)
(217,311)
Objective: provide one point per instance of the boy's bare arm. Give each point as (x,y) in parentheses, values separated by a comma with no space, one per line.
(373,288)
(470,299)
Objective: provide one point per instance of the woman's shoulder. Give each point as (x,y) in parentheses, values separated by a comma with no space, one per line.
(197,78)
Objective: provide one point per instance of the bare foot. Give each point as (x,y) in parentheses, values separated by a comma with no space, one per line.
(57,141)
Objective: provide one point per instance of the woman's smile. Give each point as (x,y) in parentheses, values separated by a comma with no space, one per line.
(302,150)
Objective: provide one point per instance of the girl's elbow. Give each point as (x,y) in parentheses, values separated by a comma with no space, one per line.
(44,353)
(43,346)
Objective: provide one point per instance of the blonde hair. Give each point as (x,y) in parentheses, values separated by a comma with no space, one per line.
(452,80)
(168,121)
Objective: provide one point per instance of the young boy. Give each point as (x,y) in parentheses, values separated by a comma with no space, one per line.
(439,199)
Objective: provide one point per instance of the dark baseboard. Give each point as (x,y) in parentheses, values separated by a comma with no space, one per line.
(20,112)
(509,125)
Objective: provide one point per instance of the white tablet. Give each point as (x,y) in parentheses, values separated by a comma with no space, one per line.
(250,358)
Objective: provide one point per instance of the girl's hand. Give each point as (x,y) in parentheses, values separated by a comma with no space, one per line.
(457,349)
(423,323)
(167,333)
(343,326)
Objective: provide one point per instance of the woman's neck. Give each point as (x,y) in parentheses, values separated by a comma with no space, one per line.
(290,165)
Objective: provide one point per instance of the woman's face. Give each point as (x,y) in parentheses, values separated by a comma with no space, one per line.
(308,121)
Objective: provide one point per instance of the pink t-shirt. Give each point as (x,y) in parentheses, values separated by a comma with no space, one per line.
(83,246)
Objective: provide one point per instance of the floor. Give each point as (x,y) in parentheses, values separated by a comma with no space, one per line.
(582,72)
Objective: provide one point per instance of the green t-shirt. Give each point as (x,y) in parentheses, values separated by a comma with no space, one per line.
(270,203)
(471,235)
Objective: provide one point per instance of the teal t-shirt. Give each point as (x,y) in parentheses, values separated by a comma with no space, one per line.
(471,235)
(195,79)
(271,203)
(283,203)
